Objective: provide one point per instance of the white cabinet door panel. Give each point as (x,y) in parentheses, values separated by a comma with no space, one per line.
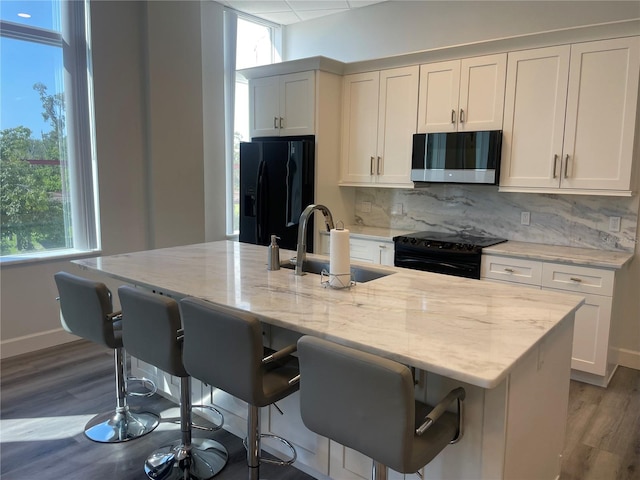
(591,335)
(439,91)
(534,117)
(601,111)
(297,101)
(513,270)
(575,278)
(397,112)
(312,449)
(359,127)
(348,464)
(282,105)
(481,103)
(264,106)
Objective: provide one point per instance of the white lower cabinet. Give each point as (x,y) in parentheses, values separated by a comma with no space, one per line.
(590,360)
(348,464)
(379,252)
(312,450)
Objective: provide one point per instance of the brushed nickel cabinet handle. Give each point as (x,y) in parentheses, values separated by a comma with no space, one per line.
(281,122)
(555,165)
(566,165)
(453,116)
(508,270)
(275,122)
(379,169)
(372,170)
(461,116)
(575,279)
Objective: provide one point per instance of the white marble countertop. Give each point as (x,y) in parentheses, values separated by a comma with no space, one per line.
(589,257)
(468,330)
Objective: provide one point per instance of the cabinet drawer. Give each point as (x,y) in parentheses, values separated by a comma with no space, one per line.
(362,250)
(508,269)
(578,279)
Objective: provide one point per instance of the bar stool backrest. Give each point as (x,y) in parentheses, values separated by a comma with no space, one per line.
(359,400)
(223,347)
(86,308)
(150,324)
(367,403)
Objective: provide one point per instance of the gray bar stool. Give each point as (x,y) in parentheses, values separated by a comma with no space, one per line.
(86,311)
(151,332)
(366,402)
(223,347)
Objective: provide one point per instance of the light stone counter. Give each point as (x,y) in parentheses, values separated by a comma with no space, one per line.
(553,253)
(466,330)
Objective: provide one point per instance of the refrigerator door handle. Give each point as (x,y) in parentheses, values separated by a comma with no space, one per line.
(289,187)
(260,202)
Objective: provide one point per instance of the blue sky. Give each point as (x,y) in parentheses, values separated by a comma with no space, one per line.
(22,64)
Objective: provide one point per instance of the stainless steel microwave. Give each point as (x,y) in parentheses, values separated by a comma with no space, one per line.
(460,157)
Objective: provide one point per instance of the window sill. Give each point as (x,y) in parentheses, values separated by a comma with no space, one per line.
(49,256)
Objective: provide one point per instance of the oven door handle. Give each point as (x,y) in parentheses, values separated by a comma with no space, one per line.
(409,260)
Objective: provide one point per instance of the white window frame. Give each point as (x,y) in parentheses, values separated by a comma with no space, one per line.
(74,39)
(231,77)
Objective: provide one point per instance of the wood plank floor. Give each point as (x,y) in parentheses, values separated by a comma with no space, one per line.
(47,397)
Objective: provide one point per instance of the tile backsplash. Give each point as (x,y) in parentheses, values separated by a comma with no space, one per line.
(567,220)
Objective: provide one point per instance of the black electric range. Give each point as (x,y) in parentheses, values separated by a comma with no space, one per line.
(447,253)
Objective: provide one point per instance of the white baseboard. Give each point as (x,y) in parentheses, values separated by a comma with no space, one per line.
(34,342)
(628,358)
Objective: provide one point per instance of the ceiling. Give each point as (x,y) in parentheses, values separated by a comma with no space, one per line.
(286,12)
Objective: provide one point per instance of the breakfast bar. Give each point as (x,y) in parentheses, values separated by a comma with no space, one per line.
(508,346)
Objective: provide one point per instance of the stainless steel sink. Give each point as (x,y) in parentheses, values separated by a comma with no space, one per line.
(358,274)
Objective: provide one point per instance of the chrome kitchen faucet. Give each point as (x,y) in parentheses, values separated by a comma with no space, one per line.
(301,249)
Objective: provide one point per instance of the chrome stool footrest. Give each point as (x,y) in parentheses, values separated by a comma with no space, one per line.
(285,442)
(215,428)
(146,382)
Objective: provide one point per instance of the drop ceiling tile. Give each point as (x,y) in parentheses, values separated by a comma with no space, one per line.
(363,3)
(259,7)
(309,14)
(281,18)
(302,5)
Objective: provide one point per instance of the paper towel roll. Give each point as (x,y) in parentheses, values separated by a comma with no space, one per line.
(339,259)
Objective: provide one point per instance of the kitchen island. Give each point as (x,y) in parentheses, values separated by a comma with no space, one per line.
(509,346)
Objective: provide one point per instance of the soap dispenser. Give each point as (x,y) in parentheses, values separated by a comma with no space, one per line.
(273,259)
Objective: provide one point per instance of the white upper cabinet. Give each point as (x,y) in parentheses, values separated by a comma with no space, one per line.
(462,95)
(282,105)
(569,121)
(378,123)
(534,117)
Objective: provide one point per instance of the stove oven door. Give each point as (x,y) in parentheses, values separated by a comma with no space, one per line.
(459,264)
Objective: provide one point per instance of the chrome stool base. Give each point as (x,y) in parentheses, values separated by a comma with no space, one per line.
(204,459)
(116,427)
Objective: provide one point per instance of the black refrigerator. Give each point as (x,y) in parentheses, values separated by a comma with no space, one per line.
(276,184)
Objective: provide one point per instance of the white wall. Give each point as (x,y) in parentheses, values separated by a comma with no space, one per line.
(153,80)
(400,27)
